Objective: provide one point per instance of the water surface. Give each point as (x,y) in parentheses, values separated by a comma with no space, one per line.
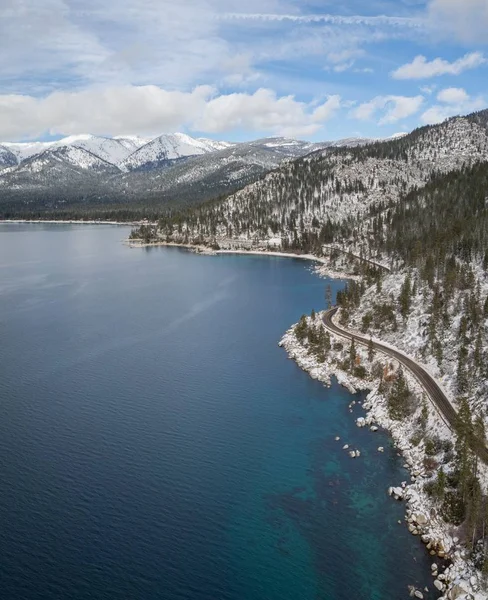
(156,443)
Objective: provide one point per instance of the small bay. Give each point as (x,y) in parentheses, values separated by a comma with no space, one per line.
(156,443)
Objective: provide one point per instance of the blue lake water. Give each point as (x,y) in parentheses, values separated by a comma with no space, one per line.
(156,443)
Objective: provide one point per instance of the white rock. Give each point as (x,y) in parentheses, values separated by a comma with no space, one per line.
(374,428)
(337,438)
(438,585)
(418,594)
(381,449)
(420,519)
(396,492)
(433,567)
(352,454)
(361,422)
(345,447)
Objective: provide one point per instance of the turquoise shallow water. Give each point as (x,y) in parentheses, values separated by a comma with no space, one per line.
(155,442)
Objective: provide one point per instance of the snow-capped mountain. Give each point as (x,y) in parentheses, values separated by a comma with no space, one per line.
(60,168)
(169,147)
(7,158)
(172,168)
(113,150)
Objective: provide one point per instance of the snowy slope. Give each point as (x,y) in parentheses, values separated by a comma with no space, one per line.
(169,147)
(7,158)
(62,168)
(344,180)
(113,150)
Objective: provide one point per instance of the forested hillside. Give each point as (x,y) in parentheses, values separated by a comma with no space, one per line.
(327,196)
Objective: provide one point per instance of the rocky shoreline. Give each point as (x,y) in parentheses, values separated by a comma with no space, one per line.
(455,577)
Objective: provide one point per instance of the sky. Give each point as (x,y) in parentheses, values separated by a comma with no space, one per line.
(234,70)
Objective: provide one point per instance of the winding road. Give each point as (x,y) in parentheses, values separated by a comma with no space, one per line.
(436,395)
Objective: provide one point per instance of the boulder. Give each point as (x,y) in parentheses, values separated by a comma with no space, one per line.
(374,428)
(438,585)
(457,591)
(337,438)
(420,519)
(381,449)
(396,492)
(418,594)
(345,447)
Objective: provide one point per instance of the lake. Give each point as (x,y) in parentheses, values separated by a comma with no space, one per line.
(156,443)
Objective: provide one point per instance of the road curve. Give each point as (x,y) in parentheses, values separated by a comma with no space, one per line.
(429,384)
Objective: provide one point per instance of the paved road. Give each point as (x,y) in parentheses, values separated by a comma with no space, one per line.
(435,393)
(362,259)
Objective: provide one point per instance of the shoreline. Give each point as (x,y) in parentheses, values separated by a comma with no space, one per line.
(69,222)
(460,577)
(322,270)
(421,518)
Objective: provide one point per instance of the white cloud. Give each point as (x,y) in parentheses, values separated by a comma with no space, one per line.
(466,20)
(344,59)
(421,68)
(428,89)
(151,110)
(264,111)
(453,101)
(62,44)
(453,96)
(393,108)
(372,21)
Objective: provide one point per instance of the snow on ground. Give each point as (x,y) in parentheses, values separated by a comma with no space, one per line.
(460,580)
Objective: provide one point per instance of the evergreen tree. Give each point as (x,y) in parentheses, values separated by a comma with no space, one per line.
(405,297)
(399,398)
(370,350)
(301,329)
(440,485)
(352,354)
(328,296)
(464,443)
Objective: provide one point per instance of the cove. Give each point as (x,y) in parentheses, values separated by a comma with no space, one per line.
(155,442)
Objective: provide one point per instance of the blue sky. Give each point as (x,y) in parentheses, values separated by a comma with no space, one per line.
(237,70)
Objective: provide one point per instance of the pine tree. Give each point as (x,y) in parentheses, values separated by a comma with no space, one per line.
(328,296)
(479,438)
(464,443)
(440,485)
(399,398)
(352,353)
(327,342)
(462,375)
(405,297)
(301,329)
(370,350)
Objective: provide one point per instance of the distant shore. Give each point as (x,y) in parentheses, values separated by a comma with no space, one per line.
(205,250)
(71,222)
